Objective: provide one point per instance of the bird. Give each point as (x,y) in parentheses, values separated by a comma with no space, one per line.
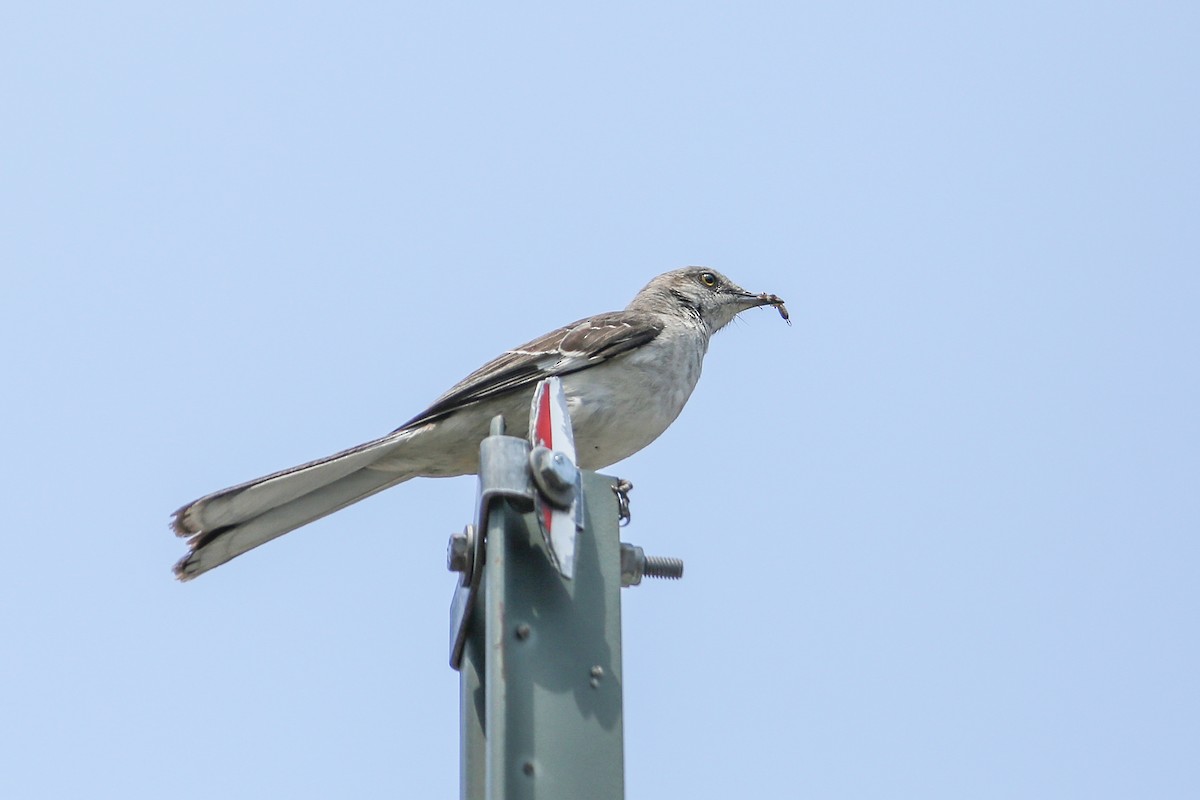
(626,376)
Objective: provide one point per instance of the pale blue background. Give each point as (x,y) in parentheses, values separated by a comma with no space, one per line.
(941,535)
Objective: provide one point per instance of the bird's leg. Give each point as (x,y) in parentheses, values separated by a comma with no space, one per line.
(622,490)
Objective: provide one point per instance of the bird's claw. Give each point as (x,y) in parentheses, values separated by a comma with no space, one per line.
(621,489)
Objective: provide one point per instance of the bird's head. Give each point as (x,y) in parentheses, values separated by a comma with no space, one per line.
(701,291)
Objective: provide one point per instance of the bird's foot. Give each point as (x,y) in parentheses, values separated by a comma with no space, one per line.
(621,489)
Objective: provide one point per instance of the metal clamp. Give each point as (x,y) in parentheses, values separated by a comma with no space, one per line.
(503,475)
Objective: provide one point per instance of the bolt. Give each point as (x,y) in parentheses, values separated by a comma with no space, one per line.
(635,564)
(663,567)
(458,551)
(497,426)
(597,672)
(527,767)
(523,631)
(554,474)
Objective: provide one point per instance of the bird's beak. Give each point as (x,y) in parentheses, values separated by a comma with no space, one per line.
(752,300)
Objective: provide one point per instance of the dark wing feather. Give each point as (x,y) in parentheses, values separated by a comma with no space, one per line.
(571,348)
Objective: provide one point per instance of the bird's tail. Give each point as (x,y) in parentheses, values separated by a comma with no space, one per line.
(225,524)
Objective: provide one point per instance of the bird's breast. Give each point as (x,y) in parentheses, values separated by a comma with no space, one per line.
(620,407)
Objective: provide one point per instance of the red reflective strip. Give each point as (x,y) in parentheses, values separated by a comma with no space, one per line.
(545,429)
(545,435)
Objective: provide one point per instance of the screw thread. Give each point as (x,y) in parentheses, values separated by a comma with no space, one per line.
(663,567)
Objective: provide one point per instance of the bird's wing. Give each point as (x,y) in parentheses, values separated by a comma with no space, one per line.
(572,348)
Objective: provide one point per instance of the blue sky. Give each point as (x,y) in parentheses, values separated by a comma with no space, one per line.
(941,534)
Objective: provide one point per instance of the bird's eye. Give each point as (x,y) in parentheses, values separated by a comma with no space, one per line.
(708,279)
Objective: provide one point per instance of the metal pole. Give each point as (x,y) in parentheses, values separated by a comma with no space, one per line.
(536,630)
(541,670)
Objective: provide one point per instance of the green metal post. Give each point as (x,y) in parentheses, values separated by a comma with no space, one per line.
(541,669)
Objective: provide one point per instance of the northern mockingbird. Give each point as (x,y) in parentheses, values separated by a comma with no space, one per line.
(626,375)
